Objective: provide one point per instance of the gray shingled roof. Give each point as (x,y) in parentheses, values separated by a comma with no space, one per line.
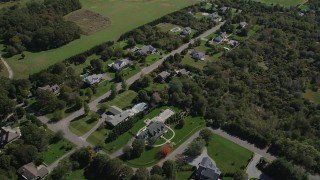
(115,115)
(7,134)
(30,172)
(114,110)
(119,64)
(208,170)
(164,74)
(154,130)
(146,49)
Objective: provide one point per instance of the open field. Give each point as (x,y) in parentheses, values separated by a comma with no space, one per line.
(283,2)
(55,151)
(89,22)
(312,96)
(123,100)
(120,12)
(82,125)
(228,156)
(77,174)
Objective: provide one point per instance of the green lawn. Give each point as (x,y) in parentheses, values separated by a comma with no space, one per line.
(76,175)
(123,100)
(166,27)
(312,96)
(156,87)
(120,12)
(283,2)
(152,58)
(55,151)
(82,125)
(228,156)
(188,60)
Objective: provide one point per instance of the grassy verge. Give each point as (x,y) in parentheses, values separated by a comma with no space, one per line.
(55,151)
(122,100)
(82,125)
(77,175)
(229,156)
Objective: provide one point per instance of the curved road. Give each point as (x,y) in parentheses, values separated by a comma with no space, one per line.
(7,67)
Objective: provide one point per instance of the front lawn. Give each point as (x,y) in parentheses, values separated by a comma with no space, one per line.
(312,96)
(122,100)
(188,60)
(152,58)
(82,125)
(77,175)
(229,156)
(56,150)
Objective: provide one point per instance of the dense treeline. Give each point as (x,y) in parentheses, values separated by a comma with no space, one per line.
(38,26)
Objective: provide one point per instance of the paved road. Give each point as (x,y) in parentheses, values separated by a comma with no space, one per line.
(8,67)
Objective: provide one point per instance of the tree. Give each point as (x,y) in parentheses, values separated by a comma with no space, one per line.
(141,174)
(156,99)
(195,148)
(206,134)
(127,152)
(6,105)
(57,115)
(114,91)
(175,85)
(143,96)
(169,169)
(155,177)
(78,103)
(165,150)
(124,85)
(156,169)
(240,175)
(86,108)
(138,146)
(34,135)
(97,65)
(83,156)
(20,112)
(126,172)
(26,153)
(89,93)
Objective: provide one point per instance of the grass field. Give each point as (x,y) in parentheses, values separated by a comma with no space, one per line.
(120,12)
(55,151)
(312,96)
(283,2)
(228,156)
(77,175)
(123,100)
(82,125)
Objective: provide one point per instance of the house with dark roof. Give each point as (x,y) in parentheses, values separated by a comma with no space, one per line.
(207,170)
(31,172)
(153,130)
(114,115)
(120,64)
(222,10)
(198,55)
(91,79)
(55,89)
(186,31)
(213,16)
(222,37)
(233,43)
(147,50)
(243,25)
(163,76)
(8,135)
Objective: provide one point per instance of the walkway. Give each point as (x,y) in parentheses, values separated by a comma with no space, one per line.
(7,67)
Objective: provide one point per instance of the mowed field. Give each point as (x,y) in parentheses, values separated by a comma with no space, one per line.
(125,15)
(286,3)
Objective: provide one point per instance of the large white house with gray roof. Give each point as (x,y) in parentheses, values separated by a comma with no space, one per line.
(154,130)
(114,115)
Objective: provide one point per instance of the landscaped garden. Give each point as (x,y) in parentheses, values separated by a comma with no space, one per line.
(229,156)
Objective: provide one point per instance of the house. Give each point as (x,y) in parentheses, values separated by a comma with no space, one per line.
(153,130)
(198,55)
(207,170)
(55,89)
(120,64)
(8,135)
(91,79)
(222,37)
(222,10)
(147,50)
(114,116)
(31,172)
(186,31)
(213,16)
(183,72)
(163,76)
(243,25)
(233,43)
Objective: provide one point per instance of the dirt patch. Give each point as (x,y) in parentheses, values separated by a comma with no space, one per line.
(89,22)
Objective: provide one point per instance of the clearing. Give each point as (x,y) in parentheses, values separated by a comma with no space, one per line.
(229,156)
(89,22)
(312,96)
(286,3)
(120,12)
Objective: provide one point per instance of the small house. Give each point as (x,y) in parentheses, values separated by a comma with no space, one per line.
(120,64)
(153,130)
(147,50)
(222,37)
(163,76)
(233,43)
(182,72)
(243,25)
(31,172)
(8,135)
(213,16)
(223,10)
(186,31)
(198,55)
(55,89)
(207,170)
(91,79)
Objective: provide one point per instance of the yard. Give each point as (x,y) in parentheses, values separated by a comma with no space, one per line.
(122,100)
(82,125)
(228,156)
(56,150)
(121,22)
(312,96)
(167,27)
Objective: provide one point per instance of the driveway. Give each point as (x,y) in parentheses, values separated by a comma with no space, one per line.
(196,161)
